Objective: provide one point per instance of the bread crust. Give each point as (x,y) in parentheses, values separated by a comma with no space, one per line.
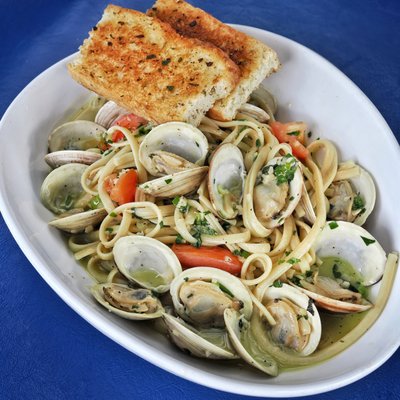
(145,66)
(255,60)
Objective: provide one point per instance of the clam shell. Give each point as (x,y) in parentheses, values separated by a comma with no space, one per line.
(77,223)
(97,292)
(213,275)
(176,184)
(237,327)
(58,158)
(293,197)
(178,138)
(255,112)
(355,245)
(76,135)
(146,261)
(60,185)
(227,173)
(109,113)
(189,340)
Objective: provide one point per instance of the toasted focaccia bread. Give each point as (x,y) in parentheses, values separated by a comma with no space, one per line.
(255,60)
(145,66)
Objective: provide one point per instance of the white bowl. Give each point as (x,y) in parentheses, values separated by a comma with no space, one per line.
(307,88)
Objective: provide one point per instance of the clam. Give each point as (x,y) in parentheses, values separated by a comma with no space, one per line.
(179,183)
(296,329)
(204,343)
(58,158)
(263,99)
(109,113)
(187,143)
(353,199)
(127,302)
(278,190)
(146,262)
(255,112)
(226,180)
(246,345)
(80,221)
(353,245)
(200,296)
(351,260)
(76,135)
(62,191)
(298,325)
(89,110)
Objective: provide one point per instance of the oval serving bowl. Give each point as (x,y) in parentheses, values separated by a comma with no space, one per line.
(307,88)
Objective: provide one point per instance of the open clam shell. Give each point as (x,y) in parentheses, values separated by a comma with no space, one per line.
(147,262)
(179,138)
(212,344)
(262,98)
(356,246)
(255,112)
(226,180)
(133,304)
(353,199)
(79,222)
(278,190)
(246,344)
(298,325)
(76,135)
(58,158)
(201,294)
(176,184)
(109,113)
(62,189)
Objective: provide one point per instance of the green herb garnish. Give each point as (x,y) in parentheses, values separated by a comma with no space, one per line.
(293,260)
(225,289)
(294,133)
(112,214)
(258,143)
(277,284)
(168,181)
(333,225)
(179,239)
(175,201)
(367,241)
(358,203)
(95,203)
(285,171)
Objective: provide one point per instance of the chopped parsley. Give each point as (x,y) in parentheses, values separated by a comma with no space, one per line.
(367,241)
(358,203)
(95,203)
(258,143)
(170,88)
(201,227)
(333,225)
(179,239)
(293,260)
(112,214)
(241,253)
(285,171)
(175,201)
(168,181)
(225,289)
(144,129)
(109,230)
(161,224)
(310,308)
(277,284)
(166,61)
(294,133)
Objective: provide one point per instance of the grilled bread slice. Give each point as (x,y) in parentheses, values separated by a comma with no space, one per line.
(255,60)
(143,65)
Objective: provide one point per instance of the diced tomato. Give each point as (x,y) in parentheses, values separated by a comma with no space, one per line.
(292,133)
(216,257)
(117,136)
(122,190)
(130,121)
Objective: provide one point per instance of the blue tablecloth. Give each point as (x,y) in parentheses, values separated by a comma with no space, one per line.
(47,351)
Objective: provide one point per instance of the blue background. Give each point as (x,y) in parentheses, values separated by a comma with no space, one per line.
(46,350)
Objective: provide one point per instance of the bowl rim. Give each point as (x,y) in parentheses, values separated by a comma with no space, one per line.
(145,351)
